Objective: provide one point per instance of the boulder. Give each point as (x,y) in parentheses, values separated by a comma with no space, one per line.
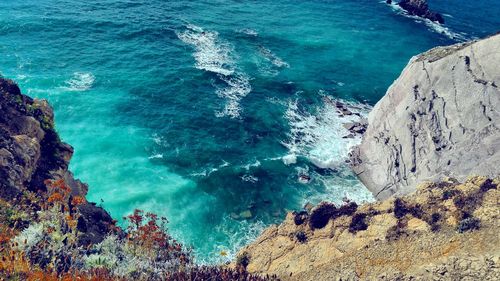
(420,8)
(439,118)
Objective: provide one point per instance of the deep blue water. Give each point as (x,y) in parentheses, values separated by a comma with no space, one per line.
(199,109)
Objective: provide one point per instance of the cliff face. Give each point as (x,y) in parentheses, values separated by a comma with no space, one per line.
(439,118)
(32,153)
(445,231)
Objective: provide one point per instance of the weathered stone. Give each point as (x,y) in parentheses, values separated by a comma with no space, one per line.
(436,120)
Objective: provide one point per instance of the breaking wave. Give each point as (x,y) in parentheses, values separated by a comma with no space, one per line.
(81,81)
(216,56)
(319,137)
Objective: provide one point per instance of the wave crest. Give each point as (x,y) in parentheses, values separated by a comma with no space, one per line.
(215,56)
(319,137)
(81,81)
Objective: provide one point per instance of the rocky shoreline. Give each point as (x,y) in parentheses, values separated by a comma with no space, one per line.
(436,125)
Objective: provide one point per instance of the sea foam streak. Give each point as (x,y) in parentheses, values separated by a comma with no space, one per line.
(81,81)
(214,55)
(318,137)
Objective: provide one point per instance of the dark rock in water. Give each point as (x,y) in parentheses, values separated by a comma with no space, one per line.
(355,128)
(388,1)
(420,8)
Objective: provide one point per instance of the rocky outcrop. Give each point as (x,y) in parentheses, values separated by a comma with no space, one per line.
(439,118)
(421,9)
(31,153)
(444,231)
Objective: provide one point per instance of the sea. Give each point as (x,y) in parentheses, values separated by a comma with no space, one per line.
(220,114)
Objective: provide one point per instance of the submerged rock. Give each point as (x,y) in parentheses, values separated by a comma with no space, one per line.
(247,214)
(439,118)
(420,8)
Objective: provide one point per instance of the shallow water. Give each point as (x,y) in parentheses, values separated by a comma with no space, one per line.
(199,109)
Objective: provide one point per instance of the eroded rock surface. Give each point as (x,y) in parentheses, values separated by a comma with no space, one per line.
(443,231)
(31,153)
(440,118)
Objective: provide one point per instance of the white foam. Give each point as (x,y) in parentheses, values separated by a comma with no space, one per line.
(215,55)
(81,81)
(318,137)
(336,188)
(237,86)
(249,31)
(273,58)
(211,54)
(249,178)
(156,156)
(239,233)
(289,159)
(255,164)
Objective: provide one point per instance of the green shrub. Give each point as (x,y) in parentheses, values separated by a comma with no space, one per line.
(321,215)
(243,259)
(301,236)
(358,223)
(300,217)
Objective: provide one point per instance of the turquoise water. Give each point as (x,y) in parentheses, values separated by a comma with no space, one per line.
(200,109)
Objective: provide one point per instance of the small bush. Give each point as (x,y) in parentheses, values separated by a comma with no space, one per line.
(346,210)
(468,224)
(358,223)
(487,185)
(300,217)
(433,221)
(301,236)
(396,232)
(447,194)
(401,209)
(321,215)
(243,259)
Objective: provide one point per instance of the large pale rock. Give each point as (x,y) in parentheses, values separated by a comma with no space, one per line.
(439,118)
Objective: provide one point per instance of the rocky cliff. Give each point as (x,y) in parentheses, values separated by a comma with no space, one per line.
(444,231)
(32,153)
(439,118)
(437,124)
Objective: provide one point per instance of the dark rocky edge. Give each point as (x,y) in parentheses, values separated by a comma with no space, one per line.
(31,153)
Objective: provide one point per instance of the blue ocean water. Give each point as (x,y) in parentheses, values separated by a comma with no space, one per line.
(201,110)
